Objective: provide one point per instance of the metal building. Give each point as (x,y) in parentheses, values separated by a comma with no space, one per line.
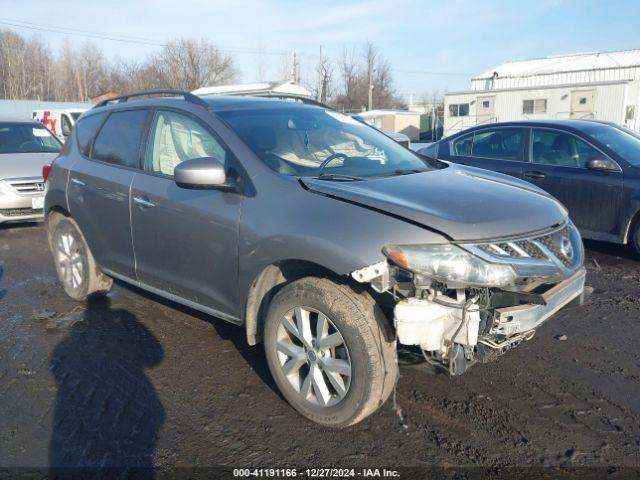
(601,86)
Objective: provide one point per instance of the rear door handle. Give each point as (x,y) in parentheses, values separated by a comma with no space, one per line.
(78,182)
(534,175)
(143,202)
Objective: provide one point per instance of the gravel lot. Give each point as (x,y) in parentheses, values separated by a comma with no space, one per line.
(136,380)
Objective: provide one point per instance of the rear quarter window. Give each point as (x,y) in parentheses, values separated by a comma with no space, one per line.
(86,130)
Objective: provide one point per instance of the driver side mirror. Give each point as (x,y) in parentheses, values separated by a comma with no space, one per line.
(203,172)
(603,165)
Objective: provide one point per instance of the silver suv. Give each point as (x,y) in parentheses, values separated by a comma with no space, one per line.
(25,147)
(320,236)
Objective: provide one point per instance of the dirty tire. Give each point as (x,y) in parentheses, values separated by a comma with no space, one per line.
(93,281)
(367,336)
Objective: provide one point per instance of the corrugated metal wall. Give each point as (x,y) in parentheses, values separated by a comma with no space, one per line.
(564,78)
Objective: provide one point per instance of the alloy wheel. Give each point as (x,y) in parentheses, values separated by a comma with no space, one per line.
(313,356)
(70,260)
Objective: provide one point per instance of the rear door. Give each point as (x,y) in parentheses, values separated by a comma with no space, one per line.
(500,149)
(592,197)
(186,240)
(99,184)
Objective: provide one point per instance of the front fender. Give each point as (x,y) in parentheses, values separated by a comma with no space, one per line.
(336,235)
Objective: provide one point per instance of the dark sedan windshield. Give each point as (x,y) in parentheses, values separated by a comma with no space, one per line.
(625,144)
(17,137)
(314,141)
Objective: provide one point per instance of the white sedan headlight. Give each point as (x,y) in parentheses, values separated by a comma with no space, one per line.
(450,264)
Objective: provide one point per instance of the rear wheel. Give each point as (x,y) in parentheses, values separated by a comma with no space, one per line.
(330,350)
(76,267)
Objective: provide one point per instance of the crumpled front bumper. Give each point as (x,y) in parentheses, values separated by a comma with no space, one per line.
(525,318)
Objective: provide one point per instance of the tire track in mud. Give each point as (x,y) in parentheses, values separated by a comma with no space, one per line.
(548,402)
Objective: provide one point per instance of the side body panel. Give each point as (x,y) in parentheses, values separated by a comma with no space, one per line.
(187,242)
(98,196)
(286,222)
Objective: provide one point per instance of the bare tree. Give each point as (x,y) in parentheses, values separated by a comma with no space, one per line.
(358,74)
(324,86)
(188,64)
(24,67)
(28,70)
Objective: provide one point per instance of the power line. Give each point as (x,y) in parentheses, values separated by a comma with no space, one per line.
(429,72)
(157,43)
(125,38)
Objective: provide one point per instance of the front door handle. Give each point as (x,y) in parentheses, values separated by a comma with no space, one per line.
(534,175)
(143,202)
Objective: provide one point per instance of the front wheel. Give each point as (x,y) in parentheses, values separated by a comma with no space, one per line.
(635,240)
(76,267)
(330,351)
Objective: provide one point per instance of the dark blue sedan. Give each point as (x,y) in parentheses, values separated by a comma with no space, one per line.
(592,167)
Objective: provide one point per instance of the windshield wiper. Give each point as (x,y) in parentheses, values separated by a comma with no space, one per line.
(409,171)
(338,177)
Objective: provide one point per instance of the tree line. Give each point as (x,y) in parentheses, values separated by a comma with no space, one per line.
(29,70)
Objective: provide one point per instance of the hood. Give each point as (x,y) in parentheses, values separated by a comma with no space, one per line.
(460,202)
(15,165)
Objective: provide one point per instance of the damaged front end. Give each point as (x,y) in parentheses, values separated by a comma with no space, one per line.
(463,303)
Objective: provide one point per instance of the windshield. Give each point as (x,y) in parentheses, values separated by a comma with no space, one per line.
(27,138)
(76,115)
(622,142)
(316,142)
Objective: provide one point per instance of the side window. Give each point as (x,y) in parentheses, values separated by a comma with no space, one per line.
(119,139)
(458,109)
(66,125)
(175,138)
(86,130)
(501,143)
(550,147)
(462,146)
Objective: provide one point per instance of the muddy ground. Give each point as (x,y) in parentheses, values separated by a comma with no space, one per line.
(136,380)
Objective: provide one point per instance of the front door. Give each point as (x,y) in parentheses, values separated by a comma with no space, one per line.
(557,166)
(583,104)
(185,240)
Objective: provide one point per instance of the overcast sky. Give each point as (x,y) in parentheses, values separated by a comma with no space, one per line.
(458,38)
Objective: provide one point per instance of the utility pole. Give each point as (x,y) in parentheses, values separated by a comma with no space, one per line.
(320,77)
(370,59)
(295,70)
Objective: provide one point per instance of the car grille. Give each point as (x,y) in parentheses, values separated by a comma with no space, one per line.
(27,185)
(555,247)
(19,212)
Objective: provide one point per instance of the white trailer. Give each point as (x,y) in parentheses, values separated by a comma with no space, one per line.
(603,86)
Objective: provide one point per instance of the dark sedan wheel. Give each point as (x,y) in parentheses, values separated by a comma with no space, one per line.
(635,240)
(330,350)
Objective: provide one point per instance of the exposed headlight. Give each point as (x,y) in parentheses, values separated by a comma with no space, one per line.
(449,264)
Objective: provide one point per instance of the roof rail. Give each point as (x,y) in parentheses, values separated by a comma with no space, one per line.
(189,97)
(285,96)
